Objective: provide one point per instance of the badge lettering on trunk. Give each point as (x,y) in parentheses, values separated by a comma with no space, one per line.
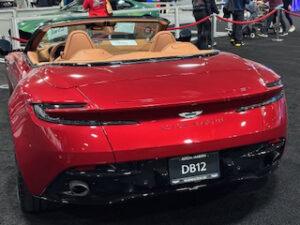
(189,115)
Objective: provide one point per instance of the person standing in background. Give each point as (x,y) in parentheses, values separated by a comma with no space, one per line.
(274,4)
(97,8)
(238,8)
(202,9)
(287,5)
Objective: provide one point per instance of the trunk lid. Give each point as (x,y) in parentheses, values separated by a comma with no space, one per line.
(169,83)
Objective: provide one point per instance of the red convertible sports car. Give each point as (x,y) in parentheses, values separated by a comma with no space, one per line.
(108,109)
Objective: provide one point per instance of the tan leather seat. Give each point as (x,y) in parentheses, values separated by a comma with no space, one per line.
(90,55)
(77,41)
(33,56)
(161,40)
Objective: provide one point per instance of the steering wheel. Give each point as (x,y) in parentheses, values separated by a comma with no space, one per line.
(55,51)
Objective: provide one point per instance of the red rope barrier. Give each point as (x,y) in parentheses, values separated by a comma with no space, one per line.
(248,22)
(227,20)
(293,14)
(189,25)
(20,39)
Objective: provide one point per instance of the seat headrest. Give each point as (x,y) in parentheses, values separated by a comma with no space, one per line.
(76,41)
(161,40)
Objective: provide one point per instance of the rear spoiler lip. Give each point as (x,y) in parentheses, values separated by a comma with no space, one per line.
(272,92)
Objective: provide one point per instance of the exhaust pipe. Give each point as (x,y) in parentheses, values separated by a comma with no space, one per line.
(79,188)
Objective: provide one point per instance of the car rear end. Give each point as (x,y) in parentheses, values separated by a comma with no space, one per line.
(145,130)
(161,154)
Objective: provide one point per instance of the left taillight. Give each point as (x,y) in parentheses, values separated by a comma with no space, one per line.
(40,111)
(60,114)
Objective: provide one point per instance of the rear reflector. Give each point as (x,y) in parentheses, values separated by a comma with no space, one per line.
(85,168)
(274,141)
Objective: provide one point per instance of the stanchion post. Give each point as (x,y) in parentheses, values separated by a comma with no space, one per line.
(177,21)
(14,32)
(213,29)
(277,25)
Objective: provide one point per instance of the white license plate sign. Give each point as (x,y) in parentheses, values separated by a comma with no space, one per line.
(194,168)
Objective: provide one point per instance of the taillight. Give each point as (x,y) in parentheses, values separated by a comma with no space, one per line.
(274,84)
(42,112)
(257,105)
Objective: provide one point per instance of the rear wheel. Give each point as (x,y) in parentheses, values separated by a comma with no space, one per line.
(252,35)
(29,203)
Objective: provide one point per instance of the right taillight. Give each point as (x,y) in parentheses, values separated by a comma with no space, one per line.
(257,105)
(274,84)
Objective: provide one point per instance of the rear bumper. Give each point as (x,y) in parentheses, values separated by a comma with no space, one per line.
(123,181)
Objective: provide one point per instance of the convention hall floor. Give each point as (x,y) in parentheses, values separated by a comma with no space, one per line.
(273,202)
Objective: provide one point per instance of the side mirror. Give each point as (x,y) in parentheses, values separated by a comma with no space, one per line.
(5,47)
(185,35)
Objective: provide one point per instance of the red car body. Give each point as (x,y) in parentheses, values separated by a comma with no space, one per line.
(151,93)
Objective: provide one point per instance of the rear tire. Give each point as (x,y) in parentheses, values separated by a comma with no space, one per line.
(252,35)
(29,203)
